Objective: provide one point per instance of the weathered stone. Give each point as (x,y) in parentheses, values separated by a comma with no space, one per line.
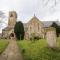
(11,23)
(34,26)
(51,37)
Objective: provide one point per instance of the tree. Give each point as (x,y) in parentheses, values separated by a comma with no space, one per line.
(19,30)
(57,28)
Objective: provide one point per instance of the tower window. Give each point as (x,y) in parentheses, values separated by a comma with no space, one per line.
(11,15)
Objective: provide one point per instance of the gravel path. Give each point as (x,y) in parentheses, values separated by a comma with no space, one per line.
(12,52)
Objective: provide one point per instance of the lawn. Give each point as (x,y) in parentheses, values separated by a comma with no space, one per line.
(37,50)
(3,45)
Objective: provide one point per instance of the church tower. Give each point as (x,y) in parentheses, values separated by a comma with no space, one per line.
(12,19)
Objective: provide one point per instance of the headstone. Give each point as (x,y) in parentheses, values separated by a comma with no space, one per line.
(51,37)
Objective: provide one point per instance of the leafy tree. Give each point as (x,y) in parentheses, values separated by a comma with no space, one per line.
(19,30)
(57,28)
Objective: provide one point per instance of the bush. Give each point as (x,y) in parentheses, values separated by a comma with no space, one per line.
(55,25)
(35,38)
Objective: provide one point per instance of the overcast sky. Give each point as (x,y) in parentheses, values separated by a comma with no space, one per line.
(43,9)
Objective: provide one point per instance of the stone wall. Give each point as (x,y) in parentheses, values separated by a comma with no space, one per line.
(11,23)
(34,26)
(12,18)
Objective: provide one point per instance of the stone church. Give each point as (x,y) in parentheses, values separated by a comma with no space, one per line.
(8,32)
(32,28)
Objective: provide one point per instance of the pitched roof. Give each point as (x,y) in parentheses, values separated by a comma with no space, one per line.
(34,18)
(49,23)
(7,28)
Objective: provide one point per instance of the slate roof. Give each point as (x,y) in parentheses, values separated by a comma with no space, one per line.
(49,23)
(7,29)
(46,23)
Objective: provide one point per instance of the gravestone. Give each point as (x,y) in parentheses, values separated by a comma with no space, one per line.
(51,37)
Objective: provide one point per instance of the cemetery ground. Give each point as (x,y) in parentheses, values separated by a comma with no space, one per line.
(38,50)
(34,50)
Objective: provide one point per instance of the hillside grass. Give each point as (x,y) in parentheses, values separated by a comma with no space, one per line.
(3,45)
(37,50)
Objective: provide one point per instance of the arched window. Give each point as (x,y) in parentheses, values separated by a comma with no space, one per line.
(12,34)
(11,15)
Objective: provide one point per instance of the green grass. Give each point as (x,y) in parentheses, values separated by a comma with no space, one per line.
(3,45)
(38,50)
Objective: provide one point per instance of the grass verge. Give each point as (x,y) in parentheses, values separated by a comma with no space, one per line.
(3,45)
